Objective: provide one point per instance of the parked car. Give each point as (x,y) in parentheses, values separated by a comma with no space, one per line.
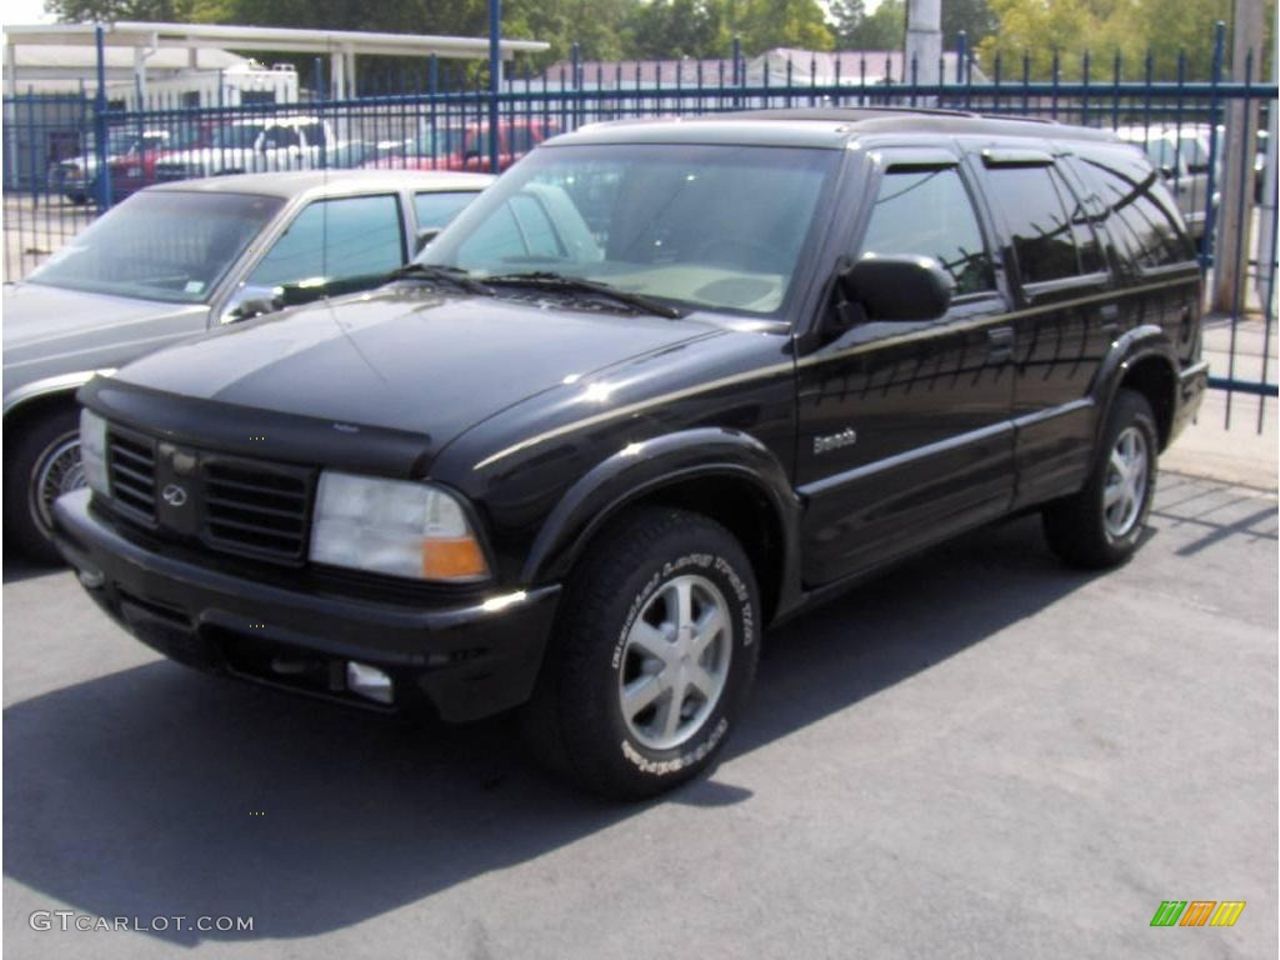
(76,177)
(1181,156)
(261,145)
(663,385)
(466,146)
(136,170)
(175,260)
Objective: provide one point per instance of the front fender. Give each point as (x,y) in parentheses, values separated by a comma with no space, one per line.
(643,468)
(67,383)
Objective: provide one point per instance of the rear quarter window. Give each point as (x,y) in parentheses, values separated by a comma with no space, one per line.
(1138,211)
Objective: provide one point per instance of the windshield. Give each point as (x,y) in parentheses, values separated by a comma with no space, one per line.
(706,226)
(165,245)
(237,135)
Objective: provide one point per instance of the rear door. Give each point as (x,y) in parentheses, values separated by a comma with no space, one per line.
(1067,315)
(904,428)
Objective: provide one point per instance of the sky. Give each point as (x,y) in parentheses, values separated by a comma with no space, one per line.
(25,11)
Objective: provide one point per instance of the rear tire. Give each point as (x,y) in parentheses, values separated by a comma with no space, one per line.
(654,655)
(44,463)
(1102,525)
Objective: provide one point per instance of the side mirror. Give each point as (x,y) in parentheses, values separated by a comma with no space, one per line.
(251,301)
(898,288)
(424,236)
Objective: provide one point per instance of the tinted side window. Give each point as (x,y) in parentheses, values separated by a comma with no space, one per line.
(314,132)
(437,209)
(336,239)
(281,137)
(1140,216)
(1051,236)
(929,213)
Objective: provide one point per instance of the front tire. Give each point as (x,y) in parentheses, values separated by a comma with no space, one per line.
(44,464)
(1102,525)
(654,655)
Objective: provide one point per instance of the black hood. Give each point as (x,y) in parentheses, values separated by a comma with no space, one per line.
(404,358)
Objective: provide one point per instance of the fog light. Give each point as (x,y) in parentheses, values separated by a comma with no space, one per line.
(368,682)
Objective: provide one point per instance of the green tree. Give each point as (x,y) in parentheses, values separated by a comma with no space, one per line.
(1105,28)
(974,17)
(883,29)
(672,29)
(846,17)
(159,11)
(766,24)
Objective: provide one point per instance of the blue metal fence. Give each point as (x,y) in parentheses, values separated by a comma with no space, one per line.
(67,159)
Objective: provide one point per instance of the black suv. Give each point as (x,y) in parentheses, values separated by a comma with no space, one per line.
(663,385)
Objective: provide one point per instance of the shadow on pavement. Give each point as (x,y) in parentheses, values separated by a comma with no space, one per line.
(156,791)
(18,568)
(1216,511)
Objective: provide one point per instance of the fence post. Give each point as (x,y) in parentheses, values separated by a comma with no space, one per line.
(100,124)
(1207,245)
(1237,162)
(739,74)
(495,79)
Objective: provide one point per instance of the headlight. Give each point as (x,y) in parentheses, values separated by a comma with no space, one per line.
(394,526)
(93,452)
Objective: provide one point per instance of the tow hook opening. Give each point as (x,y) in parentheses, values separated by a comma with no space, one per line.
(91,579)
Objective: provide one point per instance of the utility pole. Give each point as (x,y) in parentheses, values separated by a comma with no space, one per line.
(924,42)
(1235,213)
(1267,219)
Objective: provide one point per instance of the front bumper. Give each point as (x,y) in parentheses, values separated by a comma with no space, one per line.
(467,662)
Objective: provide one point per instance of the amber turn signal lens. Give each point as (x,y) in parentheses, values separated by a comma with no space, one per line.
(452,558)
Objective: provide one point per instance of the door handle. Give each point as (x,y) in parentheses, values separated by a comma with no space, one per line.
(1109,315)
(999,344)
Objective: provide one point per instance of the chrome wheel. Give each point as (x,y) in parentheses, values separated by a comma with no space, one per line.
(675,662)
(1124,492)
(57,471)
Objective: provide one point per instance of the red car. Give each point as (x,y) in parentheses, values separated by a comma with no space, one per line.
(466,147)
(132,171)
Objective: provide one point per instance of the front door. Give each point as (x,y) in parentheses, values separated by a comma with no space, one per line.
(904,428)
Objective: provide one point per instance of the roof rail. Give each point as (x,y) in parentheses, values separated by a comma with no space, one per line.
(784,113)
(1018,117)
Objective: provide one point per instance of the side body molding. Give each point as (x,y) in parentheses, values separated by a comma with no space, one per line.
(643,468)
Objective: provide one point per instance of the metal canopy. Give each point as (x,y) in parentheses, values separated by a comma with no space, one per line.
(342,46)
(189,36)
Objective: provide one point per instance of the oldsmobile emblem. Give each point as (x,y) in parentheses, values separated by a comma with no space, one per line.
(834,441)
(174,495)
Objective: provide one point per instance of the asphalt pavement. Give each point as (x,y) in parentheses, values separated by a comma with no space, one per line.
(981,754)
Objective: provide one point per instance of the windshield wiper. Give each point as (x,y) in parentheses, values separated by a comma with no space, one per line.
(547,280)
(454,276)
